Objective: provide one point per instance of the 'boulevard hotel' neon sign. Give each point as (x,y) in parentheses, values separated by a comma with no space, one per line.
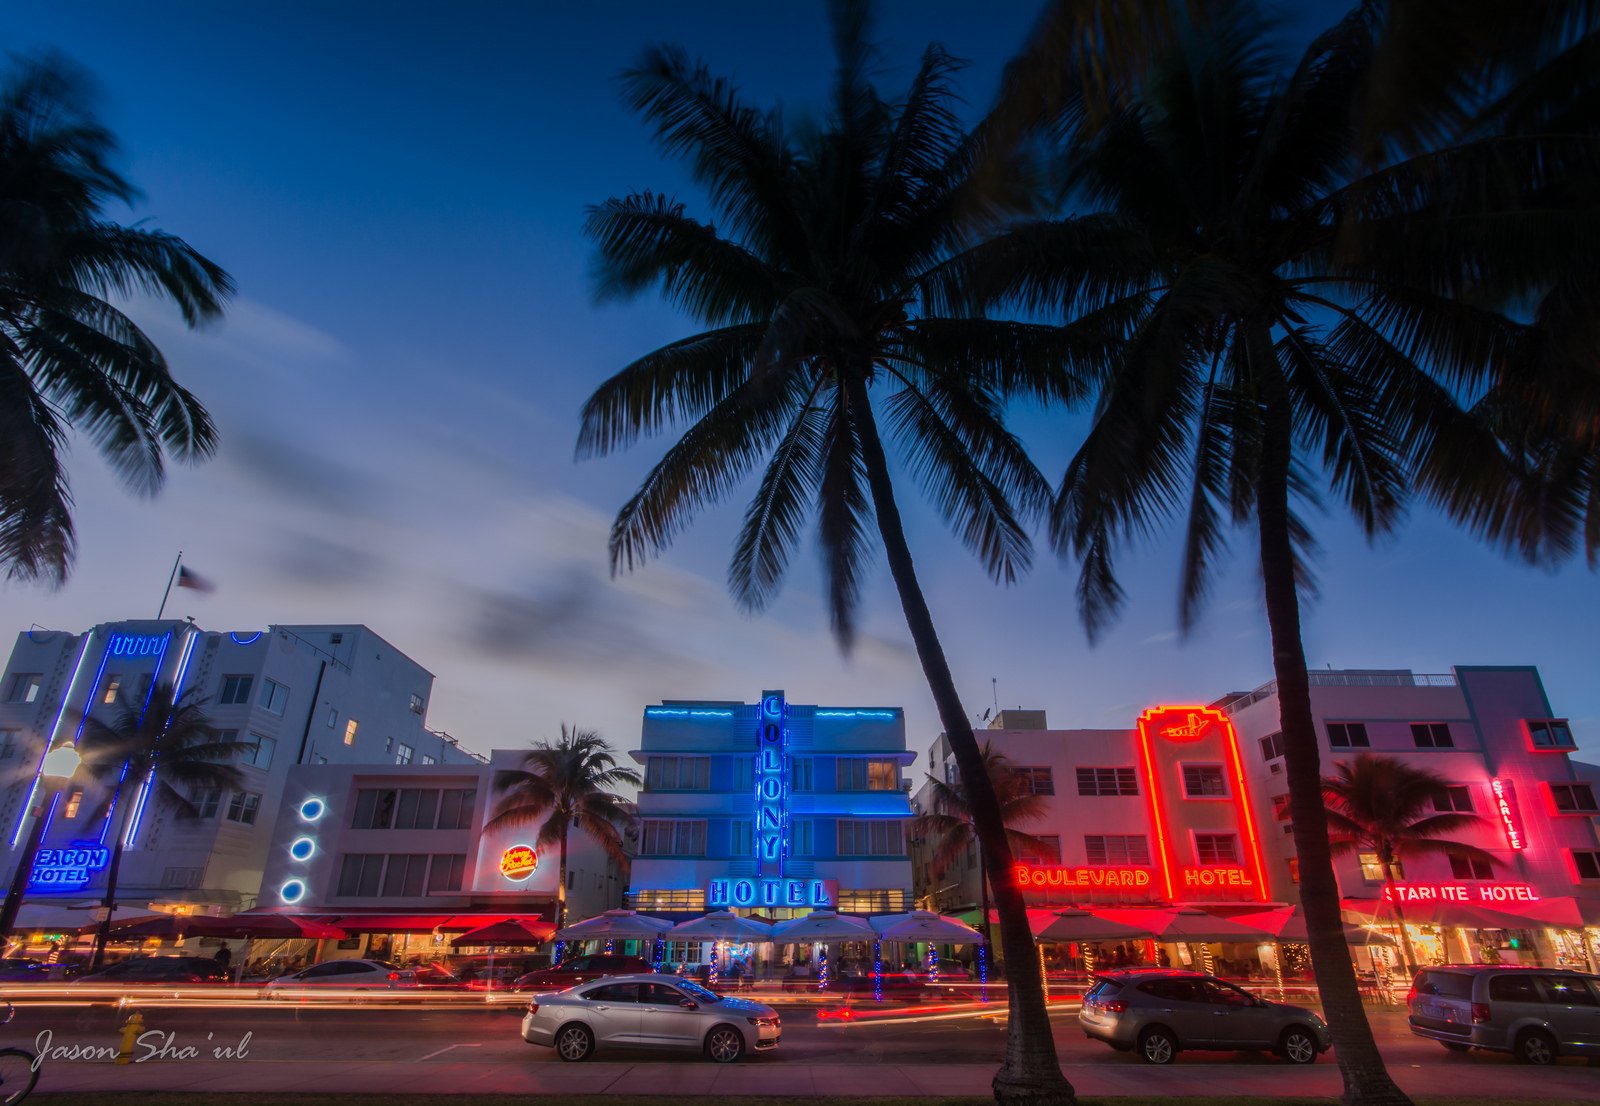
(770,837)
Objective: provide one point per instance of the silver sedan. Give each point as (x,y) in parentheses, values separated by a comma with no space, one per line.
(649,1011)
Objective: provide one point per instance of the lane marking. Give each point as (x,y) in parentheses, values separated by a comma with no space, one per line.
(447,1048)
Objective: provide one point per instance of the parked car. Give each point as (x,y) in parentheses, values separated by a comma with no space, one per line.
(580,969)
(159,969)
(650,1011)
(366,975)
(1160,1011)
(1536,1014)
(19,969)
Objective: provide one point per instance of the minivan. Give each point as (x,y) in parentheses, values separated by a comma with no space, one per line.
(1536,1014)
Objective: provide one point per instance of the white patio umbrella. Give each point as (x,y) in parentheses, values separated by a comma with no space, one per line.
(922,925)
(822,927)
(720,925)
(626,925)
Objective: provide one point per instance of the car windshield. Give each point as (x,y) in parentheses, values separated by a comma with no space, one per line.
(694,989)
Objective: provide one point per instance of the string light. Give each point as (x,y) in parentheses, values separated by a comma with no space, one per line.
(560,946)
(610,946)
(712,976)
(933,963)
(983,973)
(660,944)
(822,974)
(877,969)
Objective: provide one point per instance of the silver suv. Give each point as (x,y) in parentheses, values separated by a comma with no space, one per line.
(1536,1014)
(1158,1011)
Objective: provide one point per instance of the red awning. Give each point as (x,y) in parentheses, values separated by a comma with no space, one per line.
(395,923)
(511,931)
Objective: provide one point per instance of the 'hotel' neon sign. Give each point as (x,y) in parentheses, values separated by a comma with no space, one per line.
(1505,806)
(1460,892)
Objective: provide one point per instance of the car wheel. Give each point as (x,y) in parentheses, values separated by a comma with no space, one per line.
(1157,1046)
(724,1044)
(1536,1047)
(574,1043)
(1298,1046)
(1456,1046)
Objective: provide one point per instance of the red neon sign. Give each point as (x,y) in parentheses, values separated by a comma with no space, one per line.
(1028,875)
(1505,805)
(1190,724)
(1460,892)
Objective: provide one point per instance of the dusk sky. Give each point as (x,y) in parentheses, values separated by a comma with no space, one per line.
(398,190)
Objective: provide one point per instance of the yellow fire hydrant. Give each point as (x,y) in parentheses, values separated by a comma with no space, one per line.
(131,1029)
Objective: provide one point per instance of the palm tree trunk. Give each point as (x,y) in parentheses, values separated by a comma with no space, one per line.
(561,888)
(1032,1071)
(1399,916)
(1366,1079)
(983,893)
(102,933)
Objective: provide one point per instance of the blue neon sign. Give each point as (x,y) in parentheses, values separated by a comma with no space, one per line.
(68,869)
(771,837)
(813,893)
(138,645)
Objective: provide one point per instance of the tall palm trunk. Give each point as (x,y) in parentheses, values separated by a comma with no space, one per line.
(561,888)
(1366,1079)
(1399,914)
(1032,1071)
(102,933)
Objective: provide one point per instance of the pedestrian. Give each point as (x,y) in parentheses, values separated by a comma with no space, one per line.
(224,955)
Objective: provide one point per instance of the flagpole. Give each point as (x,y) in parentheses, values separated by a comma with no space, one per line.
(171,578)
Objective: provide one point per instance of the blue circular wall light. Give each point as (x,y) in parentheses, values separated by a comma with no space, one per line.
(292,891)
(302,848)
(312,809)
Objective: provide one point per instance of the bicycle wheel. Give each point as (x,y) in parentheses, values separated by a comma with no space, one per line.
(17,1075)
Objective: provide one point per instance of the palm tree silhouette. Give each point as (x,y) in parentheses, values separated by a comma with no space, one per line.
(1387,807)
(817,339)
(69,359)
(563,787)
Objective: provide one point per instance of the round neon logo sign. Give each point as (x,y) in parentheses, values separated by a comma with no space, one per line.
(519,862)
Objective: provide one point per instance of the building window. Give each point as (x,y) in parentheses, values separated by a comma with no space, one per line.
(1348,735)
(1550,733)
(10,743)
(406,875)
(1432,735)
(1587,863)
(419,809)
(678,899)
(71,809)
(429,758)
(892,901)
(1272,746)
(319,759)
(258,753)
(416,704)
(113,685)
(446,873)
(1452,799)
(203,802)
(403,754)
(1107,781)
(1216,848)
(333,717)
(739,843)
(862,774)
(182,879)
(360,875)
(1573,798)
(802,773)
(1117,850)
(1044,849)
(1035,781)
(1470,867)
(879,837)
(1280,807)
(678,774)
(274,696)
(667,837)
(803,837)
(1372,868)
(350,728)
(243,806)
(455,808)
(236,691)
(24,687)
(1203,781)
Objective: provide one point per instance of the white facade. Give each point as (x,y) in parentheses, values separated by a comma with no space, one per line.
(301,694)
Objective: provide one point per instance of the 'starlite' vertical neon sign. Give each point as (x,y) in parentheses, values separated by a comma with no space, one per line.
(1505,806)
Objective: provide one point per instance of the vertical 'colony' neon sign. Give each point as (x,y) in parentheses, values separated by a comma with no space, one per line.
(771,794)
(1505,806)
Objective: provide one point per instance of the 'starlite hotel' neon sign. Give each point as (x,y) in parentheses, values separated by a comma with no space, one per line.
(1505,806)
(1459,892)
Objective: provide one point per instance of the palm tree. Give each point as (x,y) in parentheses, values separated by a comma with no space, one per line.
(1384,806)
(815,338)
(165,744)
(1240,326)
(563,787)
(69,359)
(949,827)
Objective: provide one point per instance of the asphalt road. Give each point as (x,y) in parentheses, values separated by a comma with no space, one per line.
(290,1046)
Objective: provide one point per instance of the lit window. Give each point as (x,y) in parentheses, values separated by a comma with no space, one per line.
(1294,869)
(1203,781)
(1573,798)
(862,774)
(403,754)
(1348,735)
(71,809)
(1117,850)
(25,687)
(113,685)
(235,690)
(1550,733)
(1372,868)
(884,775)
(1470,867)
(1106,781)
(1216,848)
(1280,807)
(274,696)
(1453,799)
(429,759)
(350,729)
(1432,735)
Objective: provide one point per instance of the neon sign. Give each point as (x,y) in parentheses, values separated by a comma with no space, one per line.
(771,794)
(519,862)
(1505,805)
(1026,875)
(1460,892)
(813,893)
(68,869)
(1193,724)
(138,645)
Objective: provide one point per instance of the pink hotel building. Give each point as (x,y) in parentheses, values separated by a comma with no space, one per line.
(1190,807)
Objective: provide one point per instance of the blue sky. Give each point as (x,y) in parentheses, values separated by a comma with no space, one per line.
(398,190)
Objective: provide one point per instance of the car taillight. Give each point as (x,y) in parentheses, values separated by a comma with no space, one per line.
(1411,995)
(1480,1013)
(1115,1006)
(533,1008)
(394,975)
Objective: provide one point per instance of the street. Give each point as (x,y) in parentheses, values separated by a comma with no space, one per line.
(292,1047)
